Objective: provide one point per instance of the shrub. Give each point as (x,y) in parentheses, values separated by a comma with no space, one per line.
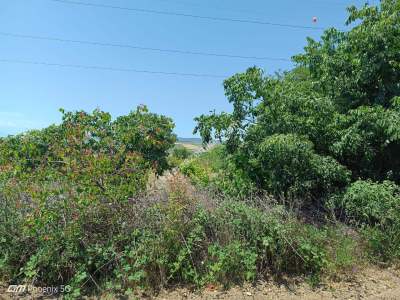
(372,203)
(177,155)
(66,191)
(216,169)
(376,208)
(383,244)
(337,103)
(181,152)
(289,166)
(357,67)
(233,181)
(282,244)
(147,133)
(196,172)
(229,245)
(232,263)
(179,236)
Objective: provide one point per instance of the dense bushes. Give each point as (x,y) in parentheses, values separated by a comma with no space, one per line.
(64,192)
(180,237)
(369,142)
(329,127)
(146,133)
(228,243)
(362,134)
(83,137)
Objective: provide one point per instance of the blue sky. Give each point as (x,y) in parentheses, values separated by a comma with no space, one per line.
(30,95)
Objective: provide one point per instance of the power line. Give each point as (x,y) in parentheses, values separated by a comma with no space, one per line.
(168,13)
(176,51)
(104,68)
(247,11)
(213,7)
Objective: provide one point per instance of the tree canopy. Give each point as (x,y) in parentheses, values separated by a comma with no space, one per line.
(336,112)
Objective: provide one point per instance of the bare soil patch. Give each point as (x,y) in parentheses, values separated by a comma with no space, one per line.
(370,283)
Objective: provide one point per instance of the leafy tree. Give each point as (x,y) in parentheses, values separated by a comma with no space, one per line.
(361,66)
(96,155)
(147,133)
(338,108)
(369,142)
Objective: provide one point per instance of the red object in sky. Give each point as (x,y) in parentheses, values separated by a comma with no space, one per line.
(314,19)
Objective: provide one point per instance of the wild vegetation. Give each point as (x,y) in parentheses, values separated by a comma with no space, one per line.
(305,181)
(326,135)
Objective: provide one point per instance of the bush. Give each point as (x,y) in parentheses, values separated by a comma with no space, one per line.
(375,207)
(215,169)
(196,172)
(177,155)
(371,203)
(337,109)
(181,152)
(147,133)
(288,166)
(233,181)
(66,190)
(229,245)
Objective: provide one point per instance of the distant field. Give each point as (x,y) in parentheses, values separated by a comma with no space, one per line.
(194,141)
(193,144)
(191,147)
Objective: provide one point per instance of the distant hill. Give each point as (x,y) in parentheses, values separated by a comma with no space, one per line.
(194,141)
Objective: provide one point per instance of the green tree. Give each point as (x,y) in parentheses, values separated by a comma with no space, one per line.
(341,98)
(147,133)
(361,66)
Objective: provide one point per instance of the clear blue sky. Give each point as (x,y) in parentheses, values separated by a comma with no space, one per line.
(30,95)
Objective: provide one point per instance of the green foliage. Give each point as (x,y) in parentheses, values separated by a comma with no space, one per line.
(288,165)
(396,103)
(66,191)
(372,203)
(279,240)
(233,181)
(212,169)
(74,210)
(232,244)
(195,171)
(361,66)
(148,244)
(147,133)
(93,153)
(303,132)
(181,152)
(383,244)
(376,208)
(177,155)
(369,142)
(234,263)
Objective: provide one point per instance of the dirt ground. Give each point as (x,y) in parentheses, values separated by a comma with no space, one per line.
(370,283)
